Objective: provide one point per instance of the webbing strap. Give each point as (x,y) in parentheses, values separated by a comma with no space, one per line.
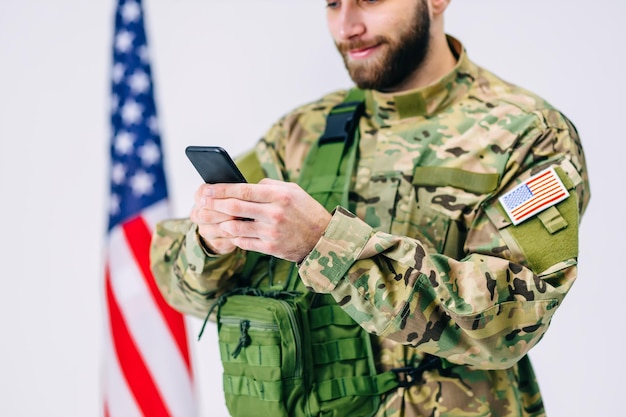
(466,180)
(338,350)
(242,385)
(357,386)
(259,355)
(329,315)
(327,169)
(552,220)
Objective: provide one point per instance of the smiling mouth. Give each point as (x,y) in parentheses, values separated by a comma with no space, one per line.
(362,52)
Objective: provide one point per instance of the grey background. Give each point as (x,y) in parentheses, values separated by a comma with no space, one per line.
(224,71)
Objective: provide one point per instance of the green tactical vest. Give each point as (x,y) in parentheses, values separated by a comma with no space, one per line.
(287,351)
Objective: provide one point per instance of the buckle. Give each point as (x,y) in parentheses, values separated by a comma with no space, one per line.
(409,375)
(406,375)
(342,122)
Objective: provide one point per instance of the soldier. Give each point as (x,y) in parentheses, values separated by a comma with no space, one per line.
(446,247)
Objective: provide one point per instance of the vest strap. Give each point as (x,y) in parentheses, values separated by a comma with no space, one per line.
(357,386)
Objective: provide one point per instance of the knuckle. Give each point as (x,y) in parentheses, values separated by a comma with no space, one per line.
(246,193)
(274,237)
(233,228)
(283,199)
(277,216)
(232,206)
(203,216)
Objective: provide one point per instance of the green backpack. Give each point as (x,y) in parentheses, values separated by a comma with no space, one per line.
(287,351)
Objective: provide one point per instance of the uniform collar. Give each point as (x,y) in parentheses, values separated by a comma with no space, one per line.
(424,101)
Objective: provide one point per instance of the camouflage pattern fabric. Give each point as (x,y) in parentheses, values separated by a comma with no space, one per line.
(425,258)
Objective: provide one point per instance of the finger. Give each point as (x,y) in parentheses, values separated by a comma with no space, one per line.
(201,193)
(257,193)
(200,215)
(213,231)
(255,245)
(239,209)
(245,228)
(220,245)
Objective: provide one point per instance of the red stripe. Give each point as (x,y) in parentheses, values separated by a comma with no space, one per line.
(138,236)
(533,209)
(131,362)
(550,182)
(538,178)
(536,198)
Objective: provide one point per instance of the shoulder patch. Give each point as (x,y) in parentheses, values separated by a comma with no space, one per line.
(533,196)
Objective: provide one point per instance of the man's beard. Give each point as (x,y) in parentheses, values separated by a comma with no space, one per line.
(401,58)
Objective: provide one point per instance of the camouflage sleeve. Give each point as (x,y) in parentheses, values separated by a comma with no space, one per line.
(189,278)
(485,309)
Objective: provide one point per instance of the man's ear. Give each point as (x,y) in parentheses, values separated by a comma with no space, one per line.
(437,7)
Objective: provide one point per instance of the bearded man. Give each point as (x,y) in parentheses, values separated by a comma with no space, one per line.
(453,241)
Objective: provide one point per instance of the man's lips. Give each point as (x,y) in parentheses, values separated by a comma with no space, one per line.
(362,52)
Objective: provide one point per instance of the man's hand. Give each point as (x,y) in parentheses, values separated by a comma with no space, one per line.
(286,222)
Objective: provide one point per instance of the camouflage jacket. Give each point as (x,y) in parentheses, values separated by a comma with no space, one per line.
(425,258)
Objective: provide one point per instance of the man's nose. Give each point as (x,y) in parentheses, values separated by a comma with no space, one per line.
(350,22)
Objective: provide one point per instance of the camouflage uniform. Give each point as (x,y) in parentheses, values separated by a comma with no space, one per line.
(425,258)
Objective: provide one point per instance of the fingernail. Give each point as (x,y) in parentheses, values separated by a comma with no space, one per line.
(208,191)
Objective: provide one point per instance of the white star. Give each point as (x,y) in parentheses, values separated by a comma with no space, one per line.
(118,173)
(153,125)
(131,112)
(124,41)
(124,142)
(142,183)
(114,204)
(118,72)
(139,82)
(142,52)
(130,11)
(115,101)
(149,154)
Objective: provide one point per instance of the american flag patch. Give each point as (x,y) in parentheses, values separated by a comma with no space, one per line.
(534,195)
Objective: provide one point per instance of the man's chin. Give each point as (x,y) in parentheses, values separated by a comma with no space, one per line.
(362,77)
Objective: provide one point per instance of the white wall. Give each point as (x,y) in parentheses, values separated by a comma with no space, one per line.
(224,71)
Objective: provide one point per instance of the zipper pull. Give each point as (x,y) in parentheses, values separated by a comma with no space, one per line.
(244,338)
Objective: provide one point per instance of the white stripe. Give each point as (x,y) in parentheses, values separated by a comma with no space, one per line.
(117,396)
(148,328)
(155,213)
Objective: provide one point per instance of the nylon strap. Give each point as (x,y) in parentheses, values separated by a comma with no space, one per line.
(243,385)
(470,181)
(338,350)
(327,169)
(327,315)
(357,386)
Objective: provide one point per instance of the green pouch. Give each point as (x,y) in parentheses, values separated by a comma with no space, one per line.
(260,341)
(297,355)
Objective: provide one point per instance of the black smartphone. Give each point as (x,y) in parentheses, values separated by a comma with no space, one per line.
(214,164)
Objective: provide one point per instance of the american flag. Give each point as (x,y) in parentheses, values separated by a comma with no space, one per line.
(534,195)
(147,368)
